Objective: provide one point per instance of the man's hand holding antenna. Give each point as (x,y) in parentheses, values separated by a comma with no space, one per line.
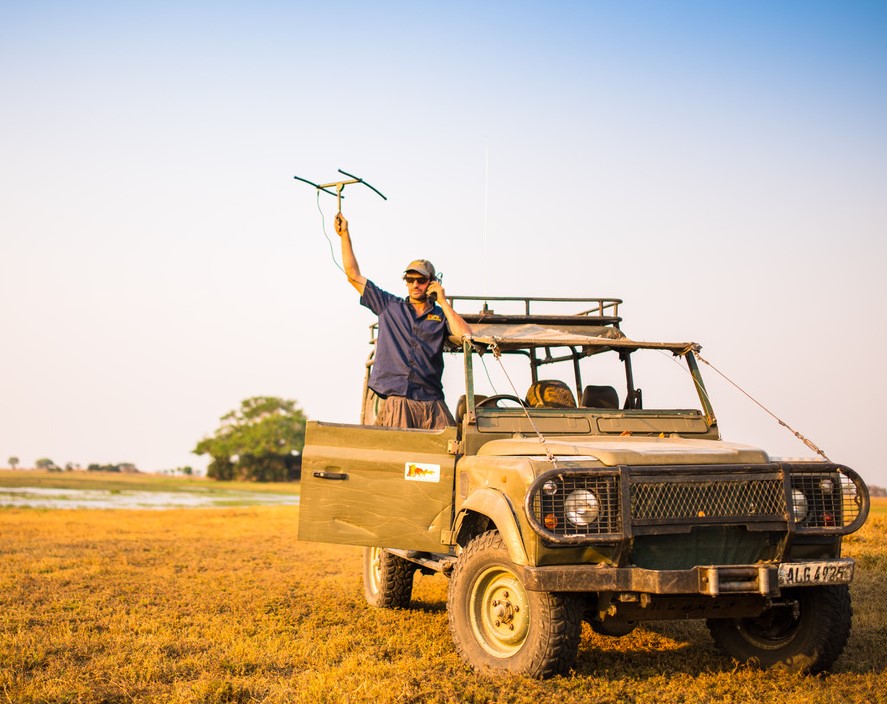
(349,261)
(341,225)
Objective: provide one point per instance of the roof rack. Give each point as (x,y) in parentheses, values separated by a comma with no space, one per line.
(598,311)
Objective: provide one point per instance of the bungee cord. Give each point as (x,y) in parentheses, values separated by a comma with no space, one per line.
(483,363)
(497,355)
(809,443)
(328,240)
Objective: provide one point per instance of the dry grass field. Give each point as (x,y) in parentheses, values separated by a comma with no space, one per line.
(225,605)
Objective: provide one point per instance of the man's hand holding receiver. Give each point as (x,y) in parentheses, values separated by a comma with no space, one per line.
(458,327)
(435,288)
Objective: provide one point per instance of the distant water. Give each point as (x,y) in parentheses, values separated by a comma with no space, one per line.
(34,497)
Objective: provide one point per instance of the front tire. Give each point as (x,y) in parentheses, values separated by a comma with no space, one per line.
(497,625)
(387,579)
(807,634)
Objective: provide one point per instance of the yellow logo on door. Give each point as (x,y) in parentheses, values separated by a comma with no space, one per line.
(417,472)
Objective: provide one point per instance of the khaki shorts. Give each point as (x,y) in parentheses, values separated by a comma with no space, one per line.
(401,412)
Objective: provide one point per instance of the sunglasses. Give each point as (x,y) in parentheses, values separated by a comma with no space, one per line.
(421,280)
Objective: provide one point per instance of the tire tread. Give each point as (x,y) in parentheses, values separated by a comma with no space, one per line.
(820,648)
(557,624)
(395,582)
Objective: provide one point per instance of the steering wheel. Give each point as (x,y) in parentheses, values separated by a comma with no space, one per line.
(494,400)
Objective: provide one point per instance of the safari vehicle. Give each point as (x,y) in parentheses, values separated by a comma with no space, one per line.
(588,499)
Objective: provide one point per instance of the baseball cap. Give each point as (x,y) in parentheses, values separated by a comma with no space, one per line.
(421,266)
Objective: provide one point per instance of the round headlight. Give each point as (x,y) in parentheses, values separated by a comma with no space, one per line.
(827,486)
(799,505)
(549,488)
(582,507)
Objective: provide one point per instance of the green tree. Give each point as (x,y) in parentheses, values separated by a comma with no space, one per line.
(44,463)
(13,461)
(260,441)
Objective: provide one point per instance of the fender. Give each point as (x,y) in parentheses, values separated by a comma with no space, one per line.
(495,506)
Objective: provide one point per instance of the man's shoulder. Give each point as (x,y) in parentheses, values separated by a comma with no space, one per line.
(378,290)
(377,298)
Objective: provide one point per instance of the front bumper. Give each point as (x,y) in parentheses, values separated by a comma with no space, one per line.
(713,580)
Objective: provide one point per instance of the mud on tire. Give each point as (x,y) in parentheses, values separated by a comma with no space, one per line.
(387,579)
(806,635)
(497,625)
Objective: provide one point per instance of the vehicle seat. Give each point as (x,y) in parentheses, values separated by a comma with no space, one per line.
(550,393)
(599,397)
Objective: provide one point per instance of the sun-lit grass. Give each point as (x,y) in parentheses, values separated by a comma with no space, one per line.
(879,506)
(225,605)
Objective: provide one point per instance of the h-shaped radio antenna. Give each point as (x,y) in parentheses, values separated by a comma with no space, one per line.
(339,186)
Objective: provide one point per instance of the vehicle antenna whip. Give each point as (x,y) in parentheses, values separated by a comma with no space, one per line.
(809,443)
(497,355)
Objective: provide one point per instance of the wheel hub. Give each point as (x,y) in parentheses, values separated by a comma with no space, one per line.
(499,612)
(504,611)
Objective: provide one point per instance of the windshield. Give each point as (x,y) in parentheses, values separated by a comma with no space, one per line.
(642,379)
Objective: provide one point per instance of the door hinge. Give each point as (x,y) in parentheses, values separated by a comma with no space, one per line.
(454,447)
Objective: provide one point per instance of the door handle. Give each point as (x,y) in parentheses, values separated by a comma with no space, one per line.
(331,475)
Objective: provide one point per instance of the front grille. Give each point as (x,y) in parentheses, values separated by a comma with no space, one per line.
(654,500)
(821,499)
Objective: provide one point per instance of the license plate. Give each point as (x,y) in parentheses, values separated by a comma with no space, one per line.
(793,574)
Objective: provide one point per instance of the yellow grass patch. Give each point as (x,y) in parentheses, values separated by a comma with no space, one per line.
(224,605)
(879,506)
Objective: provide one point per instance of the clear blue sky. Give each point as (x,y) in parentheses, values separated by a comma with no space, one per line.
(720,166)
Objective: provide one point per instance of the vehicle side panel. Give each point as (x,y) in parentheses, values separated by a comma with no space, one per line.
(382,487)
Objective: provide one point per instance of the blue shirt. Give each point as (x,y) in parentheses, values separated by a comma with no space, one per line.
(409,349)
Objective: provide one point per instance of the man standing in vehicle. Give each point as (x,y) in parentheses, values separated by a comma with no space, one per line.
(408,364)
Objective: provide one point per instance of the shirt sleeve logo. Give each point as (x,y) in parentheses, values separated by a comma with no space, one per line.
(432,316)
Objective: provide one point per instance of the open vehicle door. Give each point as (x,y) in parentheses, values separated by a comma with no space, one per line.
(377,487)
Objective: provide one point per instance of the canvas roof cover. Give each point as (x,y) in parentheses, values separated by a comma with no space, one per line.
(511,336)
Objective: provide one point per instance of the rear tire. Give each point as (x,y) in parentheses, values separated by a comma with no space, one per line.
(497,625)
(806,635)
(387,579)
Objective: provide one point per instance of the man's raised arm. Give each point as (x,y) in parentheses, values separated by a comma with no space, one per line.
(349,261)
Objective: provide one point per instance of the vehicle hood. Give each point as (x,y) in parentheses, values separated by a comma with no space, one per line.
(635,451)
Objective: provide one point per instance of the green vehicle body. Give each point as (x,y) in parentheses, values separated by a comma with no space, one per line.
(673,522)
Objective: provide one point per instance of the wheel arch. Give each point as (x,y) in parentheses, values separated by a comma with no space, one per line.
(488,509)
